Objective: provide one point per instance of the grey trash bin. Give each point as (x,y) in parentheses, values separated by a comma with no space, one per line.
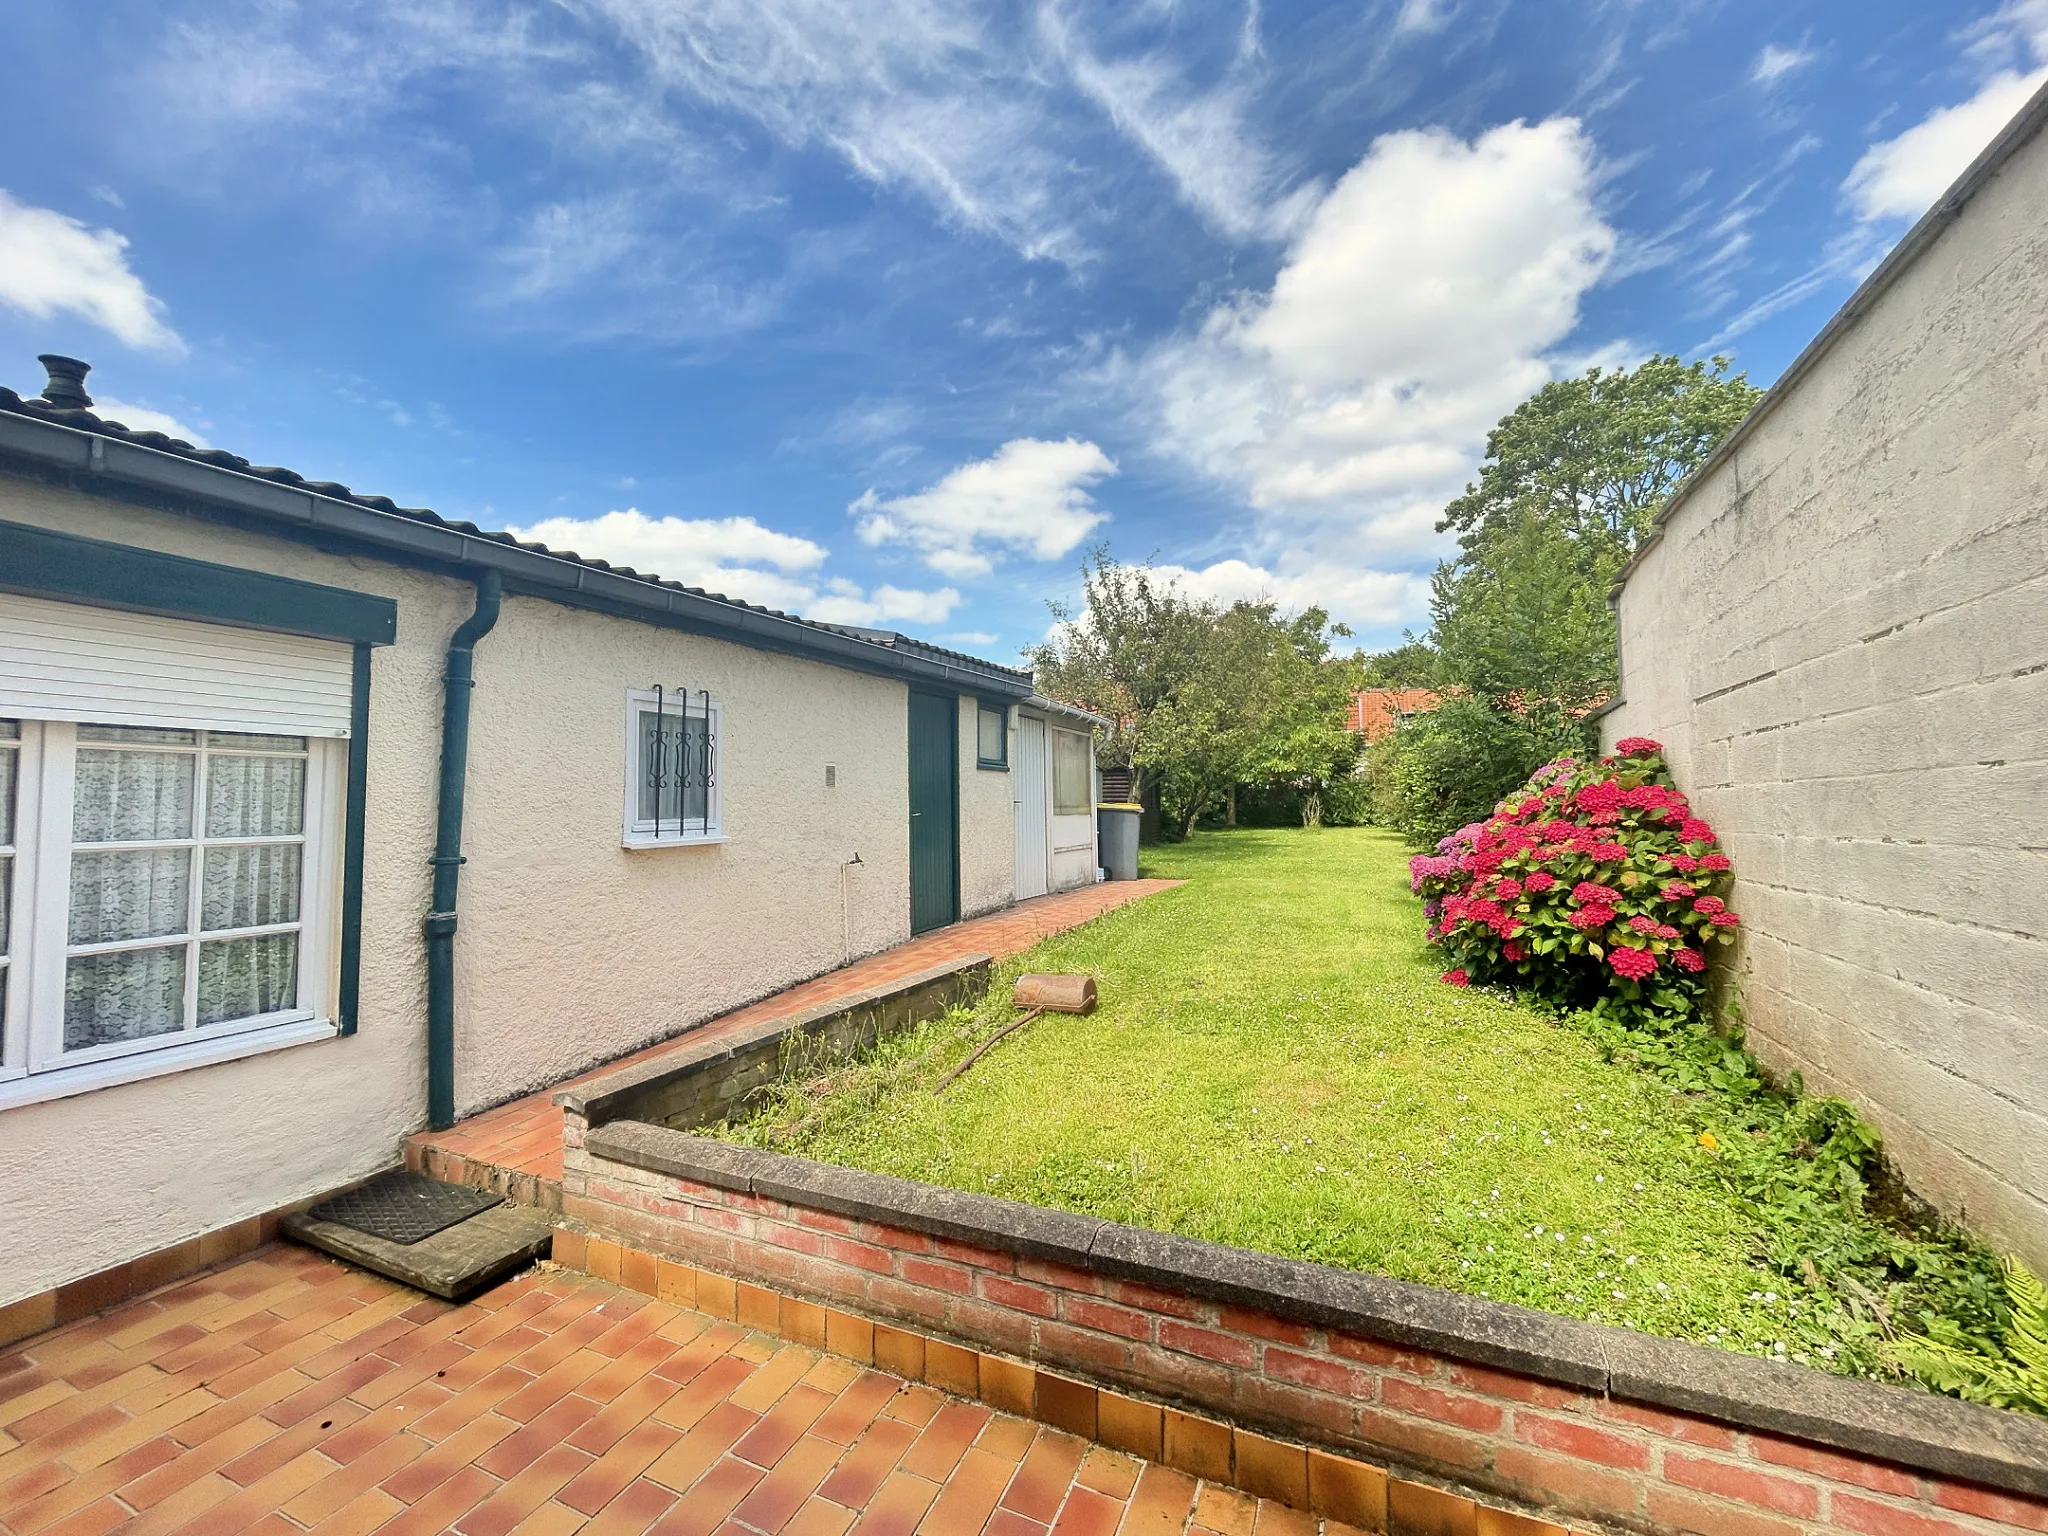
(1117,839)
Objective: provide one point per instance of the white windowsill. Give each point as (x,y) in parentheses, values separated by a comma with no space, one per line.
(642,842)
(63,1082)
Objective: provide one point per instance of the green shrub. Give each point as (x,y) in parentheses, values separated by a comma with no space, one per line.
(2013,1374)
(1593,885)
(1450,767)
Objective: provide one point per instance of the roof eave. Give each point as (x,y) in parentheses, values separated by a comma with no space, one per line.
(298,512)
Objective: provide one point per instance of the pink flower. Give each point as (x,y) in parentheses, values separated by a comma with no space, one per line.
(1456,978)
(1716,863)
(1588,919)
(1684,863)
(1508,890)
(1710,905)
(1635,964)
(1693,830)
(1643,924)
(1586,893)
(1725,920)
(1607,853)
(1514,952)
(1689,960)
(1666,931)
(1600,795)
(1636,746)
(1542,880)
(1676,890)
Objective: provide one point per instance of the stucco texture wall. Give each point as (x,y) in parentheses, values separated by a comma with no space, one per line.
(572,949)
(1842,640)
(93,1180)
(988,821)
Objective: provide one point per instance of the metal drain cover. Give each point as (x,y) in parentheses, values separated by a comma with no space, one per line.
(403,1207)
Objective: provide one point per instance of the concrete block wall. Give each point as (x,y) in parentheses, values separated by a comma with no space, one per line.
(1841,638)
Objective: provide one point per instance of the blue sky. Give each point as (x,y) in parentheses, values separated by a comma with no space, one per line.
(886,312)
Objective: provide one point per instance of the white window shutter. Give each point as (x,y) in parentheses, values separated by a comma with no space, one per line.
(68,661)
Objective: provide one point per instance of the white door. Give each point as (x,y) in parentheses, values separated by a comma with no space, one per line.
(1032,800)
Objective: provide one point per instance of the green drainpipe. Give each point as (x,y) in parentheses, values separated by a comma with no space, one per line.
(447,859)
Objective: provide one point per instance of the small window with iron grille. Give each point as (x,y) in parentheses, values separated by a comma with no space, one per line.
(672,787)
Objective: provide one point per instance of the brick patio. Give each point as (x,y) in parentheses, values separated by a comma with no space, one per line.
(517,1147)
(286,1393)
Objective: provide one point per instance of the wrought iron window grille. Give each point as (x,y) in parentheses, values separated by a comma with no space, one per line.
(679,762)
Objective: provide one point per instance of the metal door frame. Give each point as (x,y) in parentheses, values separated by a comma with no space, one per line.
(1044,802)
(952,701)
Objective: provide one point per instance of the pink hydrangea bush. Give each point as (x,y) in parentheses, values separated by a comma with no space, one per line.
(1593,886)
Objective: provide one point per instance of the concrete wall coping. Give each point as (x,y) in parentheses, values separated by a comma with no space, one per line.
(605,1097)
(1996,1448)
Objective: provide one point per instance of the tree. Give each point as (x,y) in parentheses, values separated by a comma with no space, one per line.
(1571,483)
(1133,644)
(1202,697)
(1267,703)
(1596,456)
(1412,664)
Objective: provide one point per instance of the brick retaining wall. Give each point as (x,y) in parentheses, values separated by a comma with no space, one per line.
(1518,1407)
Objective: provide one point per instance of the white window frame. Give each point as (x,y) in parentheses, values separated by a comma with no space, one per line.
(637,833)
(1087,771)
(33,1062)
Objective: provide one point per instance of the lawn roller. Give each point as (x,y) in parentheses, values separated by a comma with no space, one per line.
(1037,993)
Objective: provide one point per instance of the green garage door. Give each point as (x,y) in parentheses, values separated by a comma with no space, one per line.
(934,811)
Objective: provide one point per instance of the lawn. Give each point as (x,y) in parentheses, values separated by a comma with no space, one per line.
(1276,1066)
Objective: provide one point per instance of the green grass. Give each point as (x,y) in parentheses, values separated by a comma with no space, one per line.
(1276,1066)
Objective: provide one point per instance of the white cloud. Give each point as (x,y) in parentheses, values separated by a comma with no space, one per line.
(912,94)
(1424,15)
(1774,63)
(1421,302)
(142,418)
(1901,177)
(970,637)
(1413,311)
(1202,139)
(676,547)
(51,264)
(1362,598)
(739,558)
(887,605)
(1030,497)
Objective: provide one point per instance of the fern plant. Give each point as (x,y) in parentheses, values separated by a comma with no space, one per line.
(2015,1376)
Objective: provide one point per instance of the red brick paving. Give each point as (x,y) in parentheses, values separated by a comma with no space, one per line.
(524,1137)
(286,1393)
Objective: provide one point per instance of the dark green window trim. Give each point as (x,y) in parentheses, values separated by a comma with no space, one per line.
(356,813)
(38,562)
(993,707)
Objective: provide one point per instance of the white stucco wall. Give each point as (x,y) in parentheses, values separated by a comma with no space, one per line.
(572,949)
(988,824)
(1842,641)
(91,1181)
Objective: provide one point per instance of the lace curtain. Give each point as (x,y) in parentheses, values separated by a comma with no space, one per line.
(675,769)
(142,787)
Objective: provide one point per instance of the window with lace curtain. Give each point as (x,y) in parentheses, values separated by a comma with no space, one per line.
(159,887)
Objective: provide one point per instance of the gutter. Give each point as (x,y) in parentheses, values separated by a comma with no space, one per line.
(103,465)
(459,681)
